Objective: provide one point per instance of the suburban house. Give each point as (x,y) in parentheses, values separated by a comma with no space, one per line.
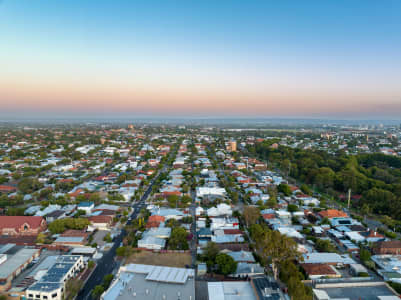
(152,243)
(54,215)
(388,247)
(332,213)
(101,222)
(320,270)
(154,221)
(87,207)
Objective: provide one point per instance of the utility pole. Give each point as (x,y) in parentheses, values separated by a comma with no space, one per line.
(349,198)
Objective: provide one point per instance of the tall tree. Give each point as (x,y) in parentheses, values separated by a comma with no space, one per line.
(251,215)
(275,247)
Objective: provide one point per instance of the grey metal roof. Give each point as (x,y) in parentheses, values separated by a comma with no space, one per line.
(16,261)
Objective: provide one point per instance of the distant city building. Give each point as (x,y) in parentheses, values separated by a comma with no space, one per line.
(231,146)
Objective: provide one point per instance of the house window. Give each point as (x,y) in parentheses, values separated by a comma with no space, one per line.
(54,295)
(30,295)
(37,296)
(44,297)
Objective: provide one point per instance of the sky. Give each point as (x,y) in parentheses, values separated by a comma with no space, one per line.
(300,59)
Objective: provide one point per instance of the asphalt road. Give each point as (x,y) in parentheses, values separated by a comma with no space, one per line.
(107,263)
(240,204)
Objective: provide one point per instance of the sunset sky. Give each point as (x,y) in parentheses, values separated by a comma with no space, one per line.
(334,59)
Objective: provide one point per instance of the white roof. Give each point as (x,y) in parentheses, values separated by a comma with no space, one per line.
(151,241)
(353,235)
(290,232)
(321,294)
(283,213)
(161,274)
(107,206)
(159,232)
(327,257)
(226,290)
(83,250)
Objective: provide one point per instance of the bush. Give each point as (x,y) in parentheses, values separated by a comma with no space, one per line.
(107,238)
(370,264)
(91,264)
(390,234)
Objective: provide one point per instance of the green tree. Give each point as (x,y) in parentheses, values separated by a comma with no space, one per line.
(172,223)
(107,279)
(306,189)
(210,251)
(28,185)
(251,215)
(61,225)
(275,247)
(97,291)
(173,200)
(364,254)
(292,208)
(225,264)
(178,239)
(324,246)
(285,189)
(41,238)
(91,264)
(124,251)
(325,221)
(107,238)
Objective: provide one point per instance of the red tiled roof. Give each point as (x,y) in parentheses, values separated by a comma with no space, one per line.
(332,213)
(156,218)
(76,193)
(17,222)
(152,224)
(100,219)
(7,188)
(72,232)
(389,244)
(107,212)
(66,180)
(268,216)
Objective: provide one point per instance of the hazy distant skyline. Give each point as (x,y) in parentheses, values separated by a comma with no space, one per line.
(334,59)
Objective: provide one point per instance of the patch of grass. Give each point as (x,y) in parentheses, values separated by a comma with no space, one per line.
(178,260)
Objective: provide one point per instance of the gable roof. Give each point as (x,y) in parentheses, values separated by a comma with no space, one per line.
(17,221)
(395,244)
